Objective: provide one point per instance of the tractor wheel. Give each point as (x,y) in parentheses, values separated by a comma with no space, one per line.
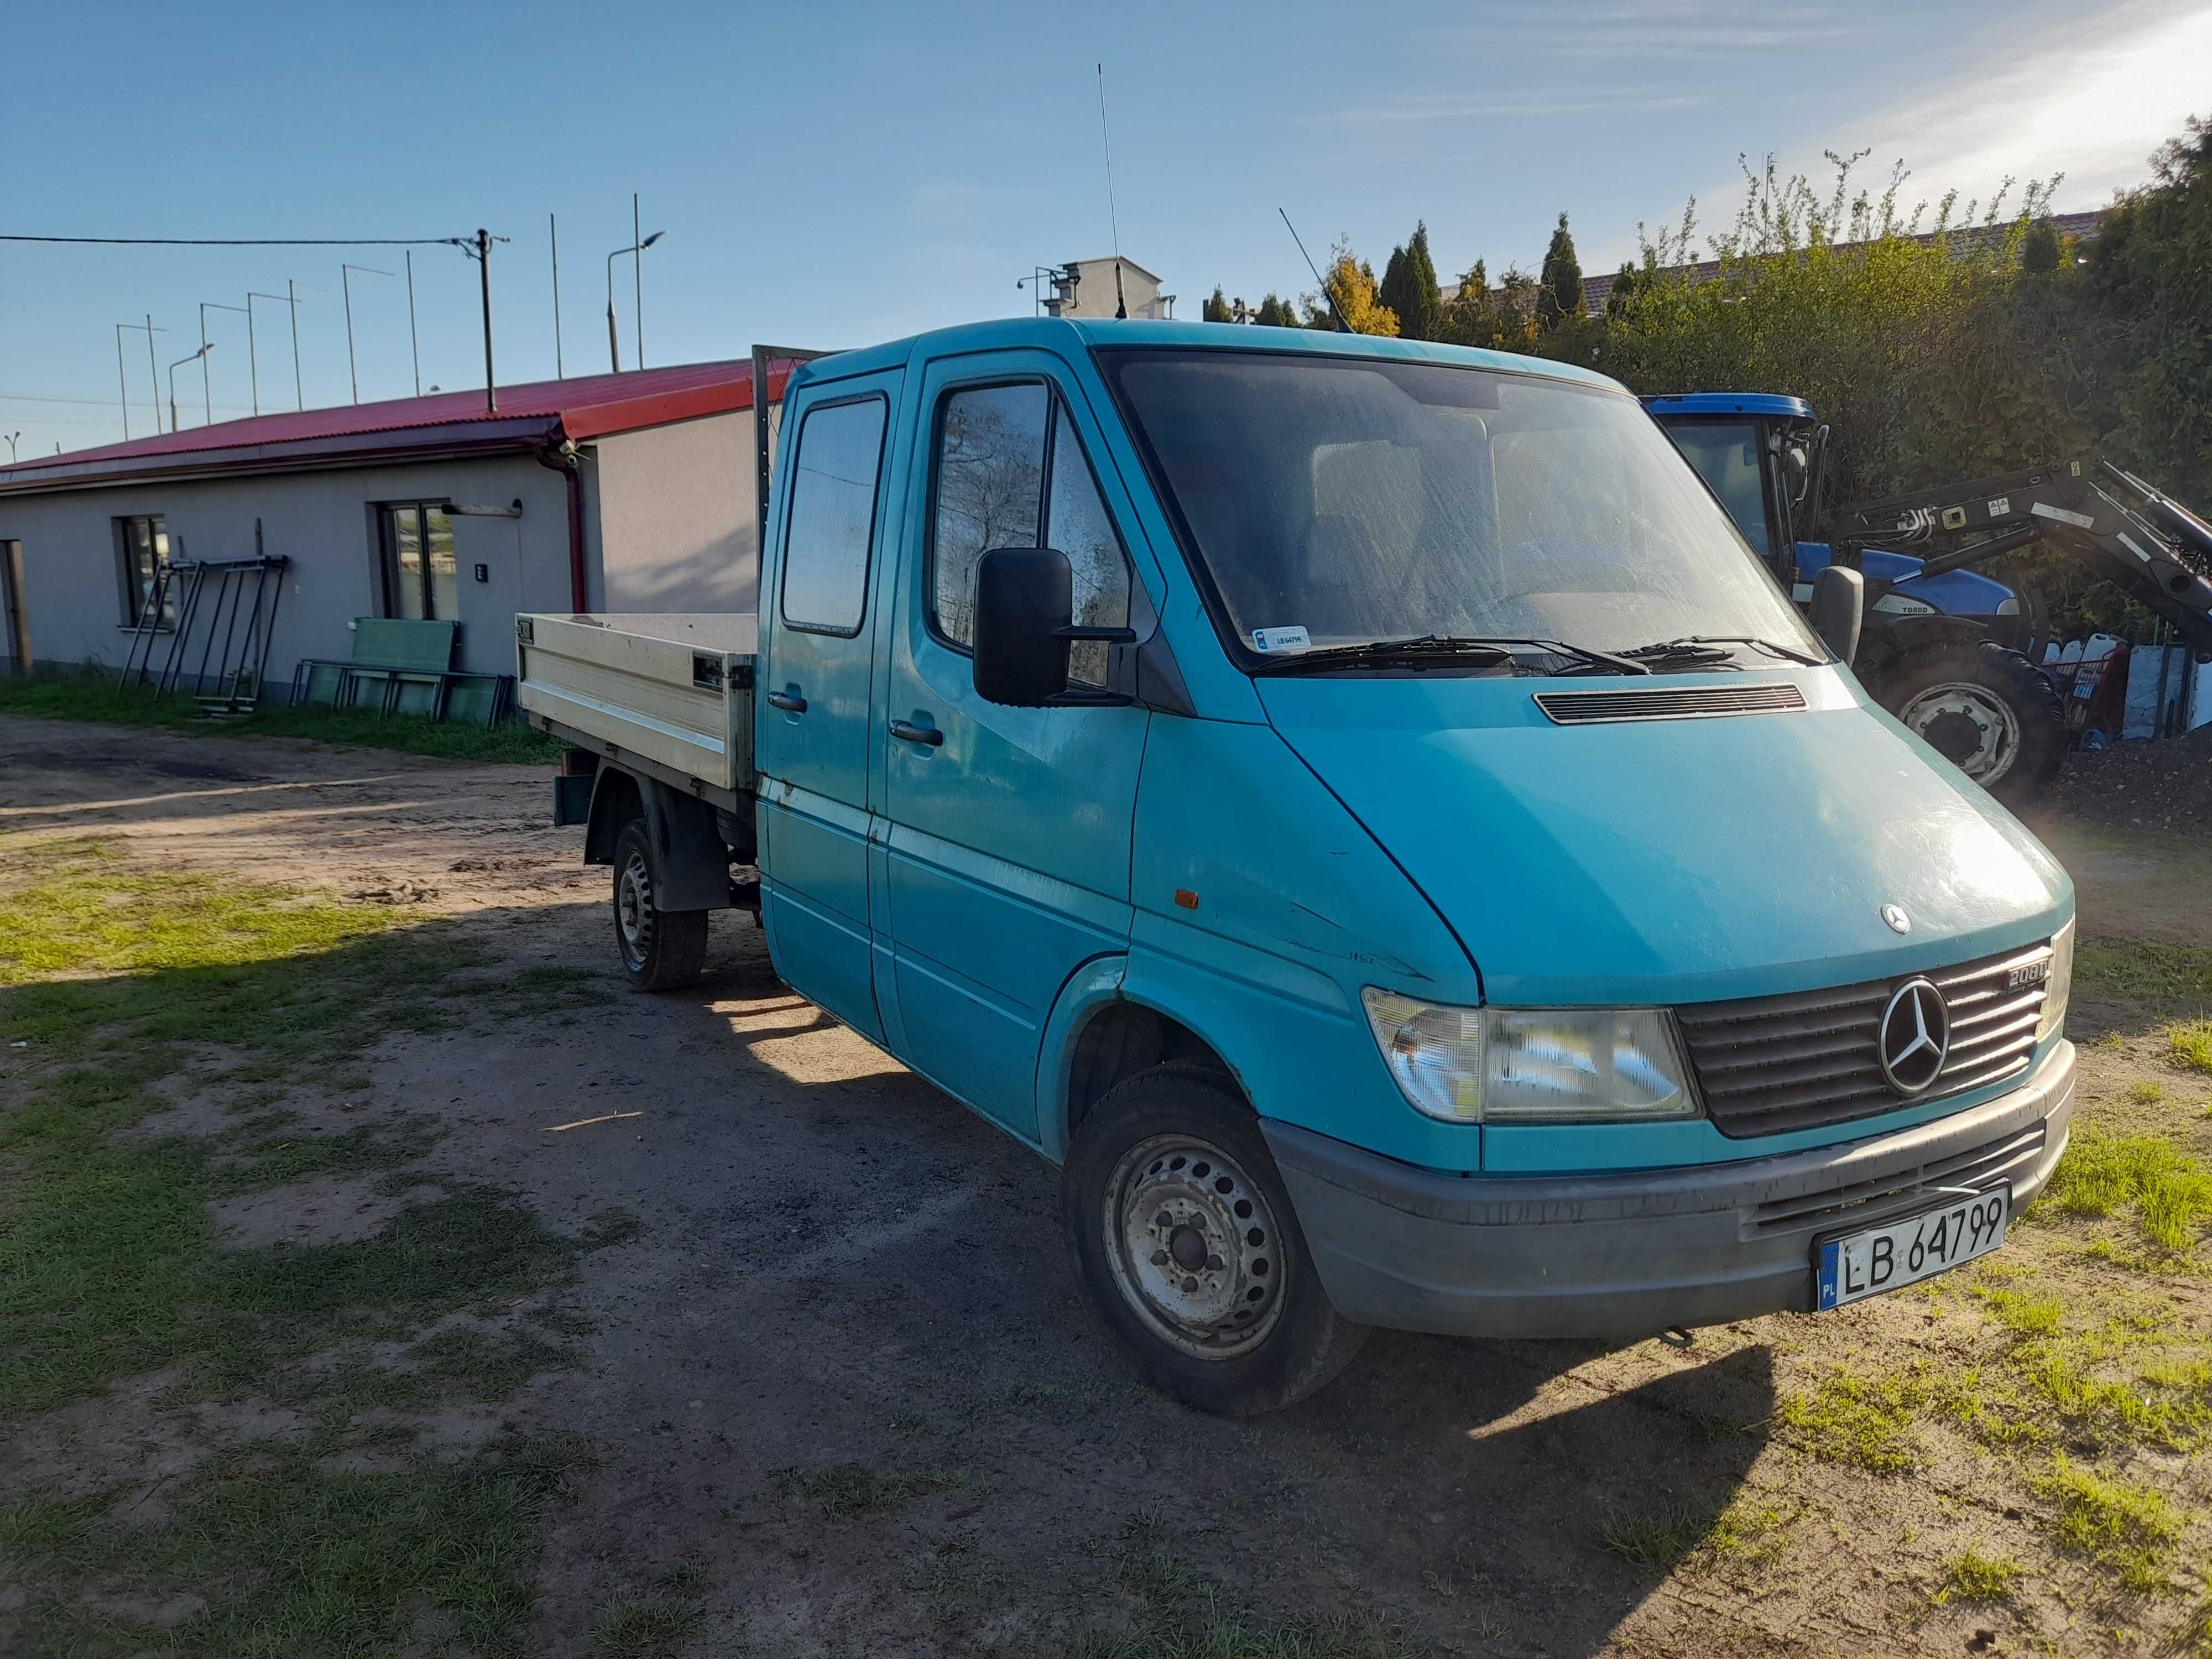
(1989,712)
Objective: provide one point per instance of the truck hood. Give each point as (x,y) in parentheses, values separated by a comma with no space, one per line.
(1678,860)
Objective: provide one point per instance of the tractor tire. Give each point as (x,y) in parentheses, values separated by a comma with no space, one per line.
(1989,711)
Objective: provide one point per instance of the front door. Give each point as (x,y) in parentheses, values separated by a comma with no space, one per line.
(818,740)
(1009,831)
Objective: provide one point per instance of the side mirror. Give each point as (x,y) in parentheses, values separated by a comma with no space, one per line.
(1024,607)
(1839,606)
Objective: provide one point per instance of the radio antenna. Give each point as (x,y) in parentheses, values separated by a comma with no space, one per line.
(1112,217)
(1328,299)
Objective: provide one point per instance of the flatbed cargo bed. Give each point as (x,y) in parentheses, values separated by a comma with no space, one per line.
(670,695)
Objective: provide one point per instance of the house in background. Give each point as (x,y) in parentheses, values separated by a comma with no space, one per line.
(1086,287)
(614,492)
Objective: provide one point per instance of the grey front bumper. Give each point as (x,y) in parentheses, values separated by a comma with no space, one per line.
(1629,1254)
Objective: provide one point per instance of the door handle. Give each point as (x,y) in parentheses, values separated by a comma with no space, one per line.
(908,732)
(788,700)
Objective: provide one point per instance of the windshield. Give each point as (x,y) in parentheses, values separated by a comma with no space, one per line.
(1341,500)
(1726,454)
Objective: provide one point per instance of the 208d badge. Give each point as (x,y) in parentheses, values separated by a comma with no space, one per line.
(1914,1038)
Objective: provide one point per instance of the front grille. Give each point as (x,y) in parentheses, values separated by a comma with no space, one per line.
(1687,703)
(1768,1064)
(2010,1157)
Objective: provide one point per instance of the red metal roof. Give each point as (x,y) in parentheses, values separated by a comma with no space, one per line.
(589,406)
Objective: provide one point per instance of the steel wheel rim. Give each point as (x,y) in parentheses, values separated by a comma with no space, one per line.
(1196,1248)
(633,908)
(1962,700)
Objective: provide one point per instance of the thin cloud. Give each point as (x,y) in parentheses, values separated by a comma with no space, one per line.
(2090,109)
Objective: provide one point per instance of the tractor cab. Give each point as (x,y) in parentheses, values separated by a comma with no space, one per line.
(1765,456)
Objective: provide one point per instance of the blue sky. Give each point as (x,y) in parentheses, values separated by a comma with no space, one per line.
(831,174)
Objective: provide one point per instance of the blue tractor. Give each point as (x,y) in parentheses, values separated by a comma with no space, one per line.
(1951,653)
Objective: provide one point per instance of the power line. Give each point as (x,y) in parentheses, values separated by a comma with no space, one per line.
(252,242)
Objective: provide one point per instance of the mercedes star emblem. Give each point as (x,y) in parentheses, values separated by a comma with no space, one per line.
(1915,1037)
(1898,921)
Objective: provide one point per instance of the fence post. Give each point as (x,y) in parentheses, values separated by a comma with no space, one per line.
(18,627)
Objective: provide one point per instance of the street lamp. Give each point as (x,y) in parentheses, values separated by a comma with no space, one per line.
(198,356)
(12,436)
(614,344)
(345,274)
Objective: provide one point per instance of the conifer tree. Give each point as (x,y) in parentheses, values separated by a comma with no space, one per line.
(1560,293)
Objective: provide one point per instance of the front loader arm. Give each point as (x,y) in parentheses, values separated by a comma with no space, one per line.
(2154,548)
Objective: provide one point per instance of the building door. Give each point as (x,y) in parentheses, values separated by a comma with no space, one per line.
(818,744)
(1009,831)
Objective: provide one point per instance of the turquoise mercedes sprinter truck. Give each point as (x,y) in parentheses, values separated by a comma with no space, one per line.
(1359,807)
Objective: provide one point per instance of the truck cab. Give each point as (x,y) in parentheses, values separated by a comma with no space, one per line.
(1361,809)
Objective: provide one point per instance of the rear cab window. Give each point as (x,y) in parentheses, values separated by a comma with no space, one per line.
(832,521)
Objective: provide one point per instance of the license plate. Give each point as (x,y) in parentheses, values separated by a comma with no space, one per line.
(1911,1249)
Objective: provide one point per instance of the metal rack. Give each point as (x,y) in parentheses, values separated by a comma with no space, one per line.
(232,602)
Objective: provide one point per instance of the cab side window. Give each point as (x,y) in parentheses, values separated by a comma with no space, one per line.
(1011,472)
(833,516)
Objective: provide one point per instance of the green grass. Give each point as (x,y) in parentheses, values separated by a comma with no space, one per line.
(2127,1529)
(2189,1046)
(1691,1536)
(2141,970)
(1973,1577)
(92,694)
(131,989)
(1861,1422)
(2168,1192)
(643,1628)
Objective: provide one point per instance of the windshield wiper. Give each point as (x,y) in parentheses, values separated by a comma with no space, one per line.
(1695,648)
(1488,651)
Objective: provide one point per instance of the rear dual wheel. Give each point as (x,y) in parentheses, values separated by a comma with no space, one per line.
(1188,1250)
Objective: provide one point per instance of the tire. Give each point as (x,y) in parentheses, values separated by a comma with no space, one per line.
(1989,711)
(1221,1308)
(661,949)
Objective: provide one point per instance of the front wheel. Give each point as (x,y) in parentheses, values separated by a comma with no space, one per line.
(662,949)
(1188,1253)
(1989,711)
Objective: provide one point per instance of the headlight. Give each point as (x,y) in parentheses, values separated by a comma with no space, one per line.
(2058,986)
(1531,1065)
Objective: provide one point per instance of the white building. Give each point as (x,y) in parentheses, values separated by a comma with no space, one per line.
(1087,287)
(611,492)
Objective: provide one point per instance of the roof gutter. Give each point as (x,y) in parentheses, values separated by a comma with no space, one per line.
(563,458)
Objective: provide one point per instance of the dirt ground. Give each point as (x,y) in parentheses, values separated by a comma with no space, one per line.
(840,1383)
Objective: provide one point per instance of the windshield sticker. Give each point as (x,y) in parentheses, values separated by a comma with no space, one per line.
(1280,639)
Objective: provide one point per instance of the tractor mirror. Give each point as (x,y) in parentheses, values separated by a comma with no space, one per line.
(1839,606)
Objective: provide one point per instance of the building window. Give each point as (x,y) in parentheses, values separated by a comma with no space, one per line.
(421,583)
(143,549)
(833,516)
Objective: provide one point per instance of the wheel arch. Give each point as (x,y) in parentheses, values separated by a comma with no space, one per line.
(694,873)
(1099,1036)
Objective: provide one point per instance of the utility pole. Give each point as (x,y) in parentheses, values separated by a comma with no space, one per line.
(553,232)
(206,394)
(299,396)
(637,276)
(345,286)
(484,271)
(154,374)
(414,341)
(122,386)
(275,299)
(122,383)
